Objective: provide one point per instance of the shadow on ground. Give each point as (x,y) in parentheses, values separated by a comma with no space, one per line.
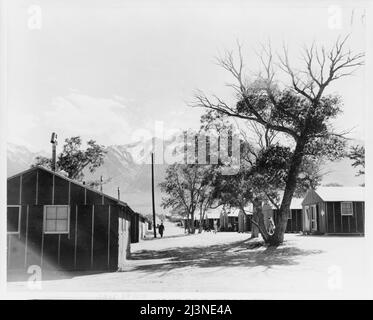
(151,237)
(247,253)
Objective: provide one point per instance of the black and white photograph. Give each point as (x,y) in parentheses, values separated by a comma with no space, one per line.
(177,150)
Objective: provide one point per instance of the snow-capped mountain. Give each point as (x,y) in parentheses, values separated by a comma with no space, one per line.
(128,167)
(125,166)
(20,158)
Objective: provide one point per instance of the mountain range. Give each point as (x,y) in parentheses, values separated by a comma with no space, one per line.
(126,167)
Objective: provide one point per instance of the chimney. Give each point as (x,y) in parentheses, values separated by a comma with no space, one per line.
(118,193)
(54,145)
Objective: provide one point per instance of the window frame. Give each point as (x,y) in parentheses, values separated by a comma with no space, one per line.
(352,209)
(19,218)
(45,219)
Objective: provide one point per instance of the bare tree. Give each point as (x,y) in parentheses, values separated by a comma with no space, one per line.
(299,109)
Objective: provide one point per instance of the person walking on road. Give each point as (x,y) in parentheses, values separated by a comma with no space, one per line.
(161,229)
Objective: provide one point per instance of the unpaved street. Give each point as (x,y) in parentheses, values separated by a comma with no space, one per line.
(228,265)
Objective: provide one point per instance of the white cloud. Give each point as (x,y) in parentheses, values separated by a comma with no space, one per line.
(19,125)
(106,120)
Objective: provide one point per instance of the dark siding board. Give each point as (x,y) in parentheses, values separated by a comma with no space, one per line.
(360,206)
(13,218)
(26,234)
(110,202)
(322,218)
(17,244)
(337,215)
(83,254)
(114,217)
(100,248)
(300,220)
(76,194)
(22,235)
(50,251)
(325,217)
(66,252)
(248,223)
(45,187)
(330,217)
(35,231)
(134,228)
(16,252)
(67,244)
(29,187)
(293,226)
(291,222)
(345,223)
(8,257)
(353,220)
(93,197)
(13,191)
(296,220)
(61,191)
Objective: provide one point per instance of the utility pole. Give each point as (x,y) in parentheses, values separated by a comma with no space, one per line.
(153,205)
(54,145)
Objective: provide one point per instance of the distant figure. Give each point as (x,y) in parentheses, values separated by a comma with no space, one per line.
(161,229)
(215,226)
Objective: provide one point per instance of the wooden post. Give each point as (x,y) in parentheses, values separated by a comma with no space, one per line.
(54,156)
(108,241)
(153,204)
(92,234)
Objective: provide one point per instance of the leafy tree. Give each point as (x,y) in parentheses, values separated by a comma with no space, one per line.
(300,110)
(262,171)
(185,188)
(357,155)
(74,160)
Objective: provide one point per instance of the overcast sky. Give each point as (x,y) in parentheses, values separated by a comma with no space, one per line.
(103,69)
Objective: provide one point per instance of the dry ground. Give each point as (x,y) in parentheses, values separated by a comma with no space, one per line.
(225,265)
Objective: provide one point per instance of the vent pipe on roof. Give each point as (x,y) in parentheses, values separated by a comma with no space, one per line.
(118,193)
(54,145)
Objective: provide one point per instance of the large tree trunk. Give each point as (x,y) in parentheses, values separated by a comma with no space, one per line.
(200,227)
(257,206)
(201,220)
(193,226)
(188,223)
(291,183)
(260,225)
